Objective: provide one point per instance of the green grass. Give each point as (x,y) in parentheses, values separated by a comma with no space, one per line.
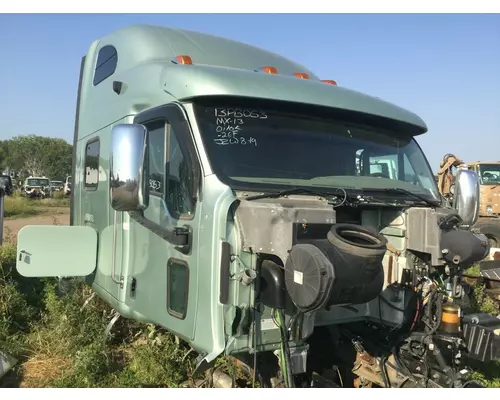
(481,302)
(486,373)
(21,207)
(60,345)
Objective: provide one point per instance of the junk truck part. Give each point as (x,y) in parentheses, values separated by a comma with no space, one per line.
(255,211)
(56,186)
(36,187)
(6,183)
(488,222)
(489,201)
(67,186)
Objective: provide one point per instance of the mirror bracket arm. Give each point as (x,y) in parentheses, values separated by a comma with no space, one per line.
(180,237)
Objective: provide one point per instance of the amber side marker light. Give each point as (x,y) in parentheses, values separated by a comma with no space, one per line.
(186,60)
(269,70)
(301,75)
(330,82)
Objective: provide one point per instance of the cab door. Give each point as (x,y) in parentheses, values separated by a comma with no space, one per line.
(163,272)
(96,213)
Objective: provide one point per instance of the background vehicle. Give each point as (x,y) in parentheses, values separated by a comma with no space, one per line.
(67,186)
(489,180)
(230,195)
(36,187)
(6,181)
(56,186)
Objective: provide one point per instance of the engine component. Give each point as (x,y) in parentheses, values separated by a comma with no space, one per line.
(464,248)
(482,335)
(345,268)
(396,306)
(272,285)
(450,319)
(423,230)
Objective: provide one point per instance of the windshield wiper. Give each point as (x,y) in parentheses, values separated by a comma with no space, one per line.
(411,194)
(275,195)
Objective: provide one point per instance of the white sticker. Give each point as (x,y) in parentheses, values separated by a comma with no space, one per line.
(267,325)
(298,277)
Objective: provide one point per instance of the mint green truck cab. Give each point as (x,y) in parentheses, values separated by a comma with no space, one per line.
(224,192)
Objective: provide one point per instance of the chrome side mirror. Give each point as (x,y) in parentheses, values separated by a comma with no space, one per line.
(128,168)
(466,196)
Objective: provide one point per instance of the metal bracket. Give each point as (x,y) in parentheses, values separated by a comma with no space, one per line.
(7,362)
(202,365)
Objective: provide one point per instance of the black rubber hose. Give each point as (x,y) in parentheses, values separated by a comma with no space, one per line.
(385,376)
(439,312)
(286,348)
(442,363)
(428,311)
(402,365)
(291,322)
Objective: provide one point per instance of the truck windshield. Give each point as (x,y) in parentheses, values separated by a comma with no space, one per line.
(489,174)
(253,149)
(37,182)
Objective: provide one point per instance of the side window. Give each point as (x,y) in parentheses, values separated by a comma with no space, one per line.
(107,60)
(179,196)
(92,150)
(177,288)
(157,133)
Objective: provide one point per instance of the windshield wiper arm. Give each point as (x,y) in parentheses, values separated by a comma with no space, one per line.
(414,195)
(275,195)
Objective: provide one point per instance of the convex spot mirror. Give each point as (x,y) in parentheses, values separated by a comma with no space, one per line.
(466,196)
(128,168)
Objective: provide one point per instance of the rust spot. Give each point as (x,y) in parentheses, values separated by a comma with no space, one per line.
(496,255)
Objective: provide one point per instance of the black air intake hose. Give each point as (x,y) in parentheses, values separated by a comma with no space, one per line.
(463,247)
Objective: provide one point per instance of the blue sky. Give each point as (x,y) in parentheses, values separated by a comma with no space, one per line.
(445,68)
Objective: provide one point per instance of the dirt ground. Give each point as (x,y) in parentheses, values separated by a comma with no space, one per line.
(59,216)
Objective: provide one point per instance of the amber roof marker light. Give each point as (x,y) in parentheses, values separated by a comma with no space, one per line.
(269,70)
(330,82)
(185,60)
(301,75)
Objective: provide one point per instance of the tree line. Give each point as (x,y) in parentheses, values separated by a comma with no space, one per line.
(34,155)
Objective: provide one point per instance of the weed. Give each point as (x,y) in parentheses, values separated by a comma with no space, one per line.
(61,344)
(22,207)
(486,373)
(18,207)
(8,236)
